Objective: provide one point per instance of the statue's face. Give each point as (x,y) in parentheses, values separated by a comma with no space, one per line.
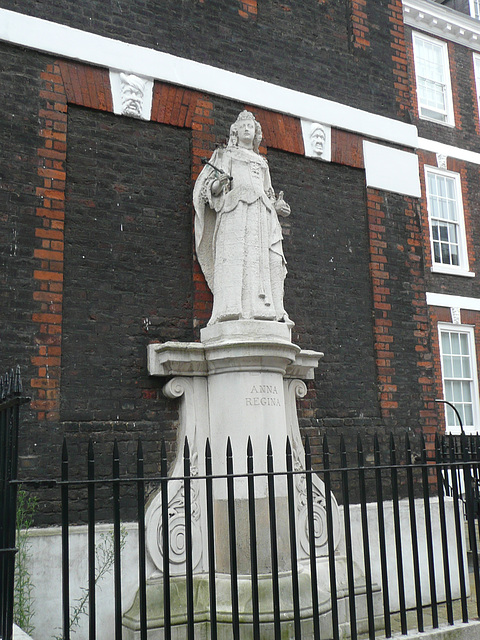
(246,133)
(317,140)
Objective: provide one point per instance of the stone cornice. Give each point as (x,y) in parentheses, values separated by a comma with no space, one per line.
(443,22)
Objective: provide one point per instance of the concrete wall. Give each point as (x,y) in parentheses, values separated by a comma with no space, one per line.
(45,566)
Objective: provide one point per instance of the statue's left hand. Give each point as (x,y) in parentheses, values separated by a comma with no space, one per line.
(281,207)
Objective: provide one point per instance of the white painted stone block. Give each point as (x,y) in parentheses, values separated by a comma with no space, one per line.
(317,140)
(390,169)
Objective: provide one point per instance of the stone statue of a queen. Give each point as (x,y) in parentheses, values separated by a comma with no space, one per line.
(237,233)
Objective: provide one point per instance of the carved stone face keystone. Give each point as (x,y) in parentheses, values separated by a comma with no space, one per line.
(132,95)
(317,139)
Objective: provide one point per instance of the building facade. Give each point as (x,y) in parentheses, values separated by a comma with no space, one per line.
(443,68)
(109,110)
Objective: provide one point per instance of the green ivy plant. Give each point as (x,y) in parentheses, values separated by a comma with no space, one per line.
(23,609)
(104,560)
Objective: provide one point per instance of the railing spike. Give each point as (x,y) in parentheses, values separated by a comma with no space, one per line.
(186,449)
(64,450)
(139,449)
(208,449)
(18,388)
(343,448)
(90,450)
(269,447)
(249,447)
(307,445)
(163,459)
(359,444)
(9,382)
(288,447)
(326,450)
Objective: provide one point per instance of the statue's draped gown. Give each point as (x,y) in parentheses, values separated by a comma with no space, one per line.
(239,238)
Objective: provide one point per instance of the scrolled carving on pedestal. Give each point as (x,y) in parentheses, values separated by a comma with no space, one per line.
(295,388)
(176,388)
(176,526)
(176,529)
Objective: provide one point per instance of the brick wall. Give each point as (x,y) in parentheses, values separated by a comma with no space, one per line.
(337,49)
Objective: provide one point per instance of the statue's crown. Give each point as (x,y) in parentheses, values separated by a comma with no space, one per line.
(245,115)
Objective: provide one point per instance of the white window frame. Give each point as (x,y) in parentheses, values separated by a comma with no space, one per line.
(476,70)
(475,9)
(449,120)
(462,268)
(451,421)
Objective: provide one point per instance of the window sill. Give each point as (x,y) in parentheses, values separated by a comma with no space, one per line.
(451,271)
(440,122)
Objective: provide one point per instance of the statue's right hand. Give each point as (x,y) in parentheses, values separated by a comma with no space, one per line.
(219,184)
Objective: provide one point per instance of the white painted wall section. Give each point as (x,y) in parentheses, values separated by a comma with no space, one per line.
(391,169)
(450,301)
(60,40)
(449,151)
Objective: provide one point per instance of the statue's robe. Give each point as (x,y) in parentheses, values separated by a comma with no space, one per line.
(239,238)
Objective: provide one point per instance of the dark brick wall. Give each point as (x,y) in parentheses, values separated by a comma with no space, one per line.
(128,259)
(337,49)
(19,135)
(328,289)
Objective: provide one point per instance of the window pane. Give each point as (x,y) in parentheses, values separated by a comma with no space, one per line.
(457,374)
(455,342)
(445,336)
(432,78)
(444,214)
(467,415)
(457,368)
(457,392)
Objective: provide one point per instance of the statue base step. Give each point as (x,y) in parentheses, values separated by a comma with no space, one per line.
(201,606)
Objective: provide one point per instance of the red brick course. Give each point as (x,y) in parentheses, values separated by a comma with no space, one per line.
(248,9)
(359,28)
(399,57)
(48,274)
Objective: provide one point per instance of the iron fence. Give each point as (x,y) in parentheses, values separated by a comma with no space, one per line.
(10,402)
(355,547)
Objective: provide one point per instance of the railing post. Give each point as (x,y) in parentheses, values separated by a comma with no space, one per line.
(10,402)
(142,571)
(467,477)
(429,537)
(331,539)
(65,545)
(458,528)
(92,633)
(398,536)
(381,538)
(365,539)
(413,532)
(441,470)
(348,540)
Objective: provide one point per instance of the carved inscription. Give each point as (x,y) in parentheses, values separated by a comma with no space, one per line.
(263,395)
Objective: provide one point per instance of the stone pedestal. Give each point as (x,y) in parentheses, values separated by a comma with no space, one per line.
(241,381)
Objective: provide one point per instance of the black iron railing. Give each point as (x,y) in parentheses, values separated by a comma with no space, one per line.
(10,402)
(401,515)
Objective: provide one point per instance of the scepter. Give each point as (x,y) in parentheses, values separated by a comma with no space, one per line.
(204,161)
